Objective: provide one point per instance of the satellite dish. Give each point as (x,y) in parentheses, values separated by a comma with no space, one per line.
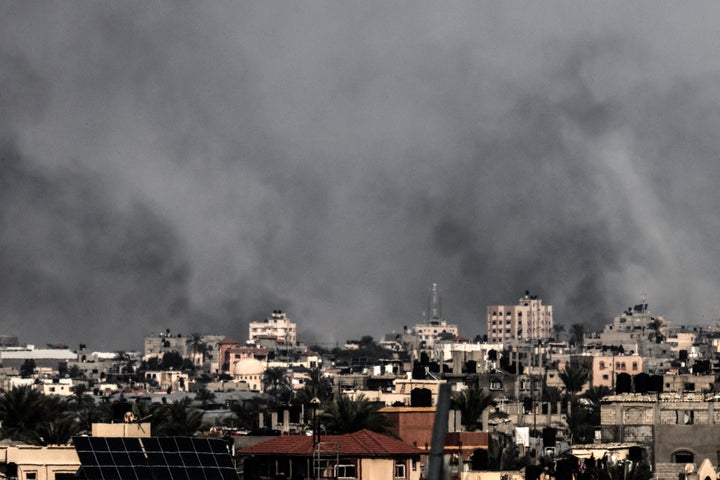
(129,417)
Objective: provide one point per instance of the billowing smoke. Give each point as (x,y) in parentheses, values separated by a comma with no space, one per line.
(196,166)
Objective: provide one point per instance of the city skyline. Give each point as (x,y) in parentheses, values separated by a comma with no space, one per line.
(195,167)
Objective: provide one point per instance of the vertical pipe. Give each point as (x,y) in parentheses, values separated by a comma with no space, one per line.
(435,469)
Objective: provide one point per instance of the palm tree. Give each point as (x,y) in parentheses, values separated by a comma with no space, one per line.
(177,419)
(348,416)
(574,377)
(276,381)
(472,402)
(22,411)
(579,423)
(592,398)
(197,345)
(204,396)
(656,325)
(74,371)
(247,413)
(558,330)
(577,334)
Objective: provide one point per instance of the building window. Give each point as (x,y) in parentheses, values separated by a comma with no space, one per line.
(689,387)
(605,377)
(683,456)
(684,417)
(635,366)
(399,470)
(602,365)
(346,471)
(31,475)
(495,384)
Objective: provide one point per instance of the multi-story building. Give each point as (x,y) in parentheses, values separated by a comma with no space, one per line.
(677,428)
(276,325)
(528,320)
(636,330)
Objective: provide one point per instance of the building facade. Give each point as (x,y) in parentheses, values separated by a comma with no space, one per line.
(528,320)
(277,325)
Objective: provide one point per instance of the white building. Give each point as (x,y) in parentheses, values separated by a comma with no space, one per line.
(276,325)
(528,320)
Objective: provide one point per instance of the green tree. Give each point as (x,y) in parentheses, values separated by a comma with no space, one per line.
(177,419)
(348,416)
(472,402)
(74,371)
(22,411)
(197,345)
(204,396)
(504,454)
(577,334)
(580,423)
(171,361)
(574,377)
(27,369)
(276,381)
(656,326)
(247,414)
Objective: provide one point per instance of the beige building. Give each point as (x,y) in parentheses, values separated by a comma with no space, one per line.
(276,325)
(26,462)
(528,320)
(605,368)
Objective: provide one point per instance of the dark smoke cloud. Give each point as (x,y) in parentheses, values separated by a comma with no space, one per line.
(195,167)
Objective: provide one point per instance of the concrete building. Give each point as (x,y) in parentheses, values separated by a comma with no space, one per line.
(632,330)
(528,320)
(362,455)
(277,325)
(605,368)
(49,358)
(28,462)
(677,429)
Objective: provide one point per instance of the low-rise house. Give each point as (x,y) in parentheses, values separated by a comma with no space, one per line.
(27,462)
(362,455)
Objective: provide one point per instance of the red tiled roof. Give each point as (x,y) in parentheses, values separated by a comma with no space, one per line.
(361,444)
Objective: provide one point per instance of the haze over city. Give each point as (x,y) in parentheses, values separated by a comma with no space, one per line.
(196,166)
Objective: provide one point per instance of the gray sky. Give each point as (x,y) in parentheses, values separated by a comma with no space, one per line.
(196,165)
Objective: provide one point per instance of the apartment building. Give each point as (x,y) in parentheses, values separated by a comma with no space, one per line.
(528,320)
(277,325)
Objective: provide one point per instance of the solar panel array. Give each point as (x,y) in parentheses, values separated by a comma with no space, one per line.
(154,458)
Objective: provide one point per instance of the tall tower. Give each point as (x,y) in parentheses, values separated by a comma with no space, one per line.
(435,304)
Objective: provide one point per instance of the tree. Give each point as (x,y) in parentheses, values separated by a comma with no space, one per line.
(74,371)
(348,416)
(247,413)
(204,396)
(171,361)
(580,423)
(197,345)
(577,334)
(22,411)
(574,377)
(27,369)
(558,330)
(656,326)
(504,454)
(276,381)
(177,419)
(472,402)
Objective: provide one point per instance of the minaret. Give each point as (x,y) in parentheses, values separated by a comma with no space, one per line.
(435,305)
